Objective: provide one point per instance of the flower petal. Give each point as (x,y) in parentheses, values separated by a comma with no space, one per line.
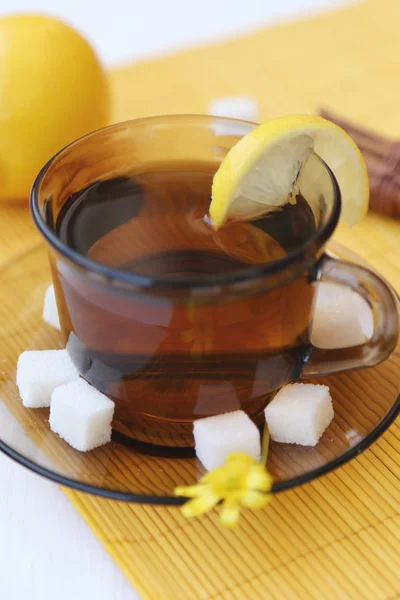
(218,476)
(258,478)
(230,513)
(200,505)
(190,491)
(240,459)
(253,499)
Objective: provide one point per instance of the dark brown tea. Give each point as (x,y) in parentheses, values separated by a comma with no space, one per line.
(174,353)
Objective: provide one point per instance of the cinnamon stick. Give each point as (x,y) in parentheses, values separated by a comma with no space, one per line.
(382,157)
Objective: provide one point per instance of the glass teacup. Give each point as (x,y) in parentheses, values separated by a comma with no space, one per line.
(169,319)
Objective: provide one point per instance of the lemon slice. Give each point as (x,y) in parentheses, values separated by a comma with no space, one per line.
(259,173)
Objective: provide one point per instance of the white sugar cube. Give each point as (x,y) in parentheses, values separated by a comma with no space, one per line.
(342,318)
(216,437)
(235,107)
(299,414)
(81,415)
(39,372)
(50,312)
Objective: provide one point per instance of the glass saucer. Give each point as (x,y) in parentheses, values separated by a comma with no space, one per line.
(366,402)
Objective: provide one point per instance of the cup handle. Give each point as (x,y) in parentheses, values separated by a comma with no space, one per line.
(384,306)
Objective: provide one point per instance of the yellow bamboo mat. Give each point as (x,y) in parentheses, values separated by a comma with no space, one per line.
(338,537)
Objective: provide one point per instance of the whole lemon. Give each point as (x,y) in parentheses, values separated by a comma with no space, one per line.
(52,91)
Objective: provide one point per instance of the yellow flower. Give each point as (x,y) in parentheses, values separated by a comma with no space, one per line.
(241,482)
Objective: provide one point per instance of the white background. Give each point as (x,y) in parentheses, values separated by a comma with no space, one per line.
(46,550)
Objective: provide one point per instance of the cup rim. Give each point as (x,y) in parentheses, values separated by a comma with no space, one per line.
(245,274)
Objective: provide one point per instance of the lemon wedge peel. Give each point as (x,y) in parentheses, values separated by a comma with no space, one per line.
(259,173)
